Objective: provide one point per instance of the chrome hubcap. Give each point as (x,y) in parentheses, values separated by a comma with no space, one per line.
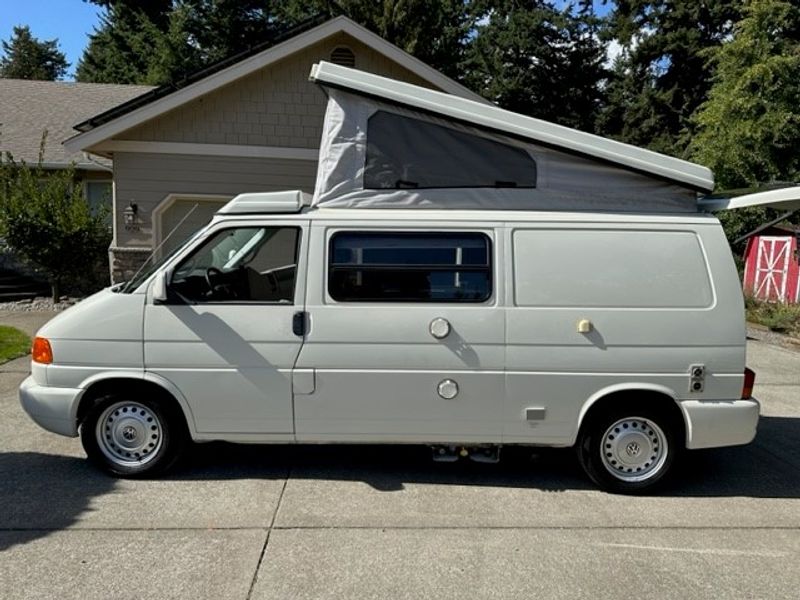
(129,434)
(634,449)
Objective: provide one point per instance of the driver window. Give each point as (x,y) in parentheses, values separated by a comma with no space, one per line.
(244,264)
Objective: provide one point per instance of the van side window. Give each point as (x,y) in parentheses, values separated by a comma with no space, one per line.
(244,264)
(409,267)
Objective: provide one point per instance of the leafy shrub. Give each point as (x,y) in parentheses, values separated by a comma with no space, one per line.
(47,222)
(784,318)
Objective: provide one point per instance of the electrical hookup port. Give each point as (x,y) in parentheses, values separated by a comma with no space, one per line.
(481,454)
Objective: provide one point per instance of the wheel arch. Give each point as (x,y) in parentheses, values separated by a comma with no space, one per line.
(105,383)
(625,391)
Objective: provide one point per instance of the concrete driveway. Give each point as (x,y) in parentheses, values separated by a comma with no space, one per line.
(384,522)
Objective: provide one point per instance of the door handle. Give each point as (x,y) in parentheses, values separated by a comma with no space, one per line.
(299,323)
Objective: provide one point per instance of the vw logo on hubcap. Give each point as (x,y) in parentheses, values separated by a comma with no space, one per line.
(632,449)
(129,433)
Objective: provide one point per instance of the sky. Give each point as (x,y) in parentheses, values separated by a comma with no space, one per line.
(71,21)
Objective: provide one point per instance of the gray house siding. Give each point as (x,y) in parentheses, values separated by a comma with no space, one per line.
(159,181)
(276,106)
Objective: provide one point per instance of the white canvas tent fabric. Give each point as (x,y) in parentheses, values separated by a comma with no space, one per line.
(408,162)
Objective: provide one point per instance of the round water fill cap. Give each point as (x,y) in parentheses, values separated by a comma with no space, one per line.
(448,389)
(439,328)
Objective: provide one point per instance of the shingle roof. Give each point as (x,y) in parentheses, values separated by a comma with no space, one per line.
(27,108)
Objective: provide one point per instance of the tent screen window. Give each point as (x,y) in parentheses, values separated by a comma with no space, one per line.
(408,153)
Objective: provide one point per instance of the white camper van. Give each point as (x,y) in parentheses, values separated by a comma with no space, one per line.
(462,277)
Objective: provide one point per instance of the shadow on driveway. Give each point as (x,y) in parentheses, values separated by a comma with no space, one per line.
(42,492)
(767,468)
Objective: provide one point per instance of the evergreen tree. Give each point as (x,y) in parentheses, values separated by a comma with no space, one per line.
(139,43)
(662,75)
(161,41)
(220,29)
(538,60)
(749,129)
(25,57)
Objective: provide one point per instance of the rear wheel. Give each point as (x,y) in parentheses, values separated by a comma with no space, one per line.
(131,438)
(629,449)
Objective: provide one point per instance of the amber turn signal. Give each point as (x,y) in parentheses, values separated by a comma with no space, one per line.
(749,382)
(41,351)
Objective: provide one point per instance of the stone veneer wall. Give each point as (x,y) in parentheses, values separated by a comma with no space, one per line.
(125,262)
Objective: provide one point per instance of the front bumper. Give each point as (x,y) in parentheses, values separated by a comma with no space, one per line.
(53,408)
(717,423)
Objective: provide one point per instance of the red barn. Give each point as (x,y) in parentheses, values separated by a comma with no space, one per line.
(772,264)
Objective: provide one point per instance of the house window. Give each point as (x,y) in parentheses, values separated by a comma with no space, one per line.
(342,55)
(410,267)
(98,194)
(404,152)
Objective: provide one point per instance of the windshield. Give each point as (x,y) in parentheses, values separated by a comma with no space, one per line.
(151,265)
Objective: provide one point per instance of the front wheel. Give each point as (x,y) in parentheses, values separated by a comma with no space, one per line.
(629,450)
(131,438)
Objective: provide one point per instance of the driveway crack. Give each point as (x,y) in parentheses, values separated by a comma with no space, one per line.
(269,532)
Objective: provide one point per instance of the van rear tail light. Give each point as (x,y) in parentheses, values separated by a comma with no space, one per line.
(41,351)
(749,382)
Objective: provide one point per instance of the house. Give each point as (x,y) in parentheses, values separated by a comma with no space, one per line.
(254,124)
(28,109)
(772,264)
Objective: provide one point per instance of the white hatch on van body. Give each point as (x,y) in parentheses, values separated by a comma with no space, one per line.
(266,202)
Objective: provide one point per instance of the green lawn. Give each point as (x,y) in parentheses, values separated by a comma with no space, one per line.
(13,343)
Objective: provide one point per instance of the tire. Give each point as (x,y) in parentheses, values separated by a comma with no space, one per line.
(630,449)
(132,438)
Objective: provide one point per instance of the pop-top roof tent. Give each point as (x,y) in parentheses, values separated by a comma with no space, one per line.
(390,144)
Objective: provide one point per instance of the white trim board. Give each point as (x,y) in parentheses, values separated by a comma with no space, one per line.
(285,152)
(86,140)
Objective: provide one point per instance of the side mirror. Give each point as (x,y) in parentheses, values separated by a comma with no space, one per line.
(160,287)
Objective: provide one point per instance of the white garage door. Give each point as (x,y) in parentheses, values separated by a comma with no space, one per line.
(202,210)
